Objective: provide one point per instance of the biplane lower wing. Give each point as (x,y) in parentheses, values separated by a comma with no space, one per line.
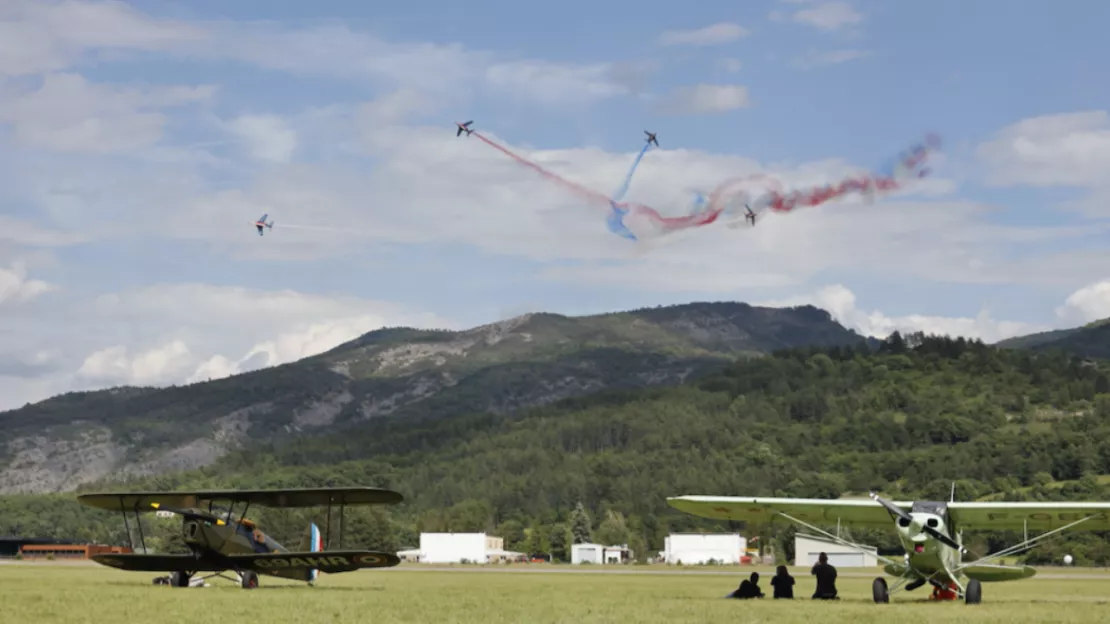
(330,561)
(159,563)
(759,510)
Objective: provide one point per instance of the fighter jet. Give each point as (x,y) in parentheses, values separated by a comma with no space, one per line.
(651,138)
(464,127)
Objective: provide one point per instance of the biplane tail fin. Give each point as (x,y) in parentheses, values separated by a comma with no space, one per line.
(313,541)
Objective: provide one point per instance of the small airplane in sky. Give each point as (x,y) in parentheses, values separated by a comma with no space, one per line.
(219,540)
(651,138)
(751,215)
(931,533)
(262,222)
(464,127)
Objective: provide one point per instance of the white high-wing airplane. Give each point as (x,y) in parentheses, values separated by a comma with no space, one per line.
(931,532)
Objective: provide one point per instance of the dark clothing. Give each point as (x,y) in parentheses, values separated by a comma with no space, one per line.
(784,585)
(826,581)
(746,591)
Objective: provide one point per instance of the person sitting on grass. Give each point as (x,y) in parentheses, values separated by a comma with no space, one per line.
(749,588)
(826,579)
(783,583)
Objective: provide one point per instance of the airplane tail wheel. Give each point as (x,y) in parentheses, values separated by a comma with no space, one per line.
(179,579)
(250,580)
(879,591)
(974,594)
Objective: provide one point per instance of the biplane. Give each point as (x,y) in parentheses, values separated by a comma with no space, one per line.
(930,532)
(219,540)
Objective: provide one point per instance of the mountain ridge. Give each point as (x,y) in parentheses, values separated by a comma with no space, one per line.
(400,372)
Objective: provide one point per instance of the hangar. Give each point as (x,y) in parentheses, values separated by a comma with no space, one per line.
(701,548)
(808,547)
(459,548)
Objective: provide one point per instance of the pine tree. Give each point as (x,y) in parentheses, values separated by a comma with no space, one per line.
(580,525)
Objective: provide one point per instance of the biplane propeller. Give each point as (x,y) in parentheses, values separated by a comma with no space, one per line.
(220,540)
(930,532)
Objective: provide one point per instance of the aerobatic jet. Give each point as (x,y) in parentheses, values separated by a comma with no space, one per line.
(651,138)
(464,127)
(262,223)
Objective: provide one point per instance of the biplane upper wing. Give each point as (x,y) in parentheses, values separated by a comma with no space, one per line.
(1041,516)
(303,497)
(158,563)
(330,561)
(760,510)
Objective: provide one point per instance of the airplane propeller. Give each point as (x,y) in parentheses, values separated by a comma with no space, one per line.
(905,519)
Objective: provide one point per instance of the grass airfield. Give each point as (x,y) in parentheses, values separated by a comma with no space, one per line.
(75,592)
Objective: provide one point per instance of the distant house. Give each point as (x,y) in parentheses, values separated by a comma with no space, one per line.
(599,554)
(700,548)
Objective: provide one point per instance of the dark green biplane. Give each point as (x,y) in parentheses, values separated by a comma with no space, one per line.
(220,540)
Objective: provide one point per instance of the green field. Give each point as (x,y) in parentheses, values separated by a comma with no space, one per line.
(45,592)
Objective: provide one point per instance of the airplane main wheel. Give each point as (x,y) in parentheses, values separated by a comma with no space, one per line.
(249,580)
(974,594)
(179,579)
(879,591)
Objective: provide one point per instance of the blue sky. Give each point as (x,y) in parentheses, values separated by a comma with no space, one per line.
(138,140)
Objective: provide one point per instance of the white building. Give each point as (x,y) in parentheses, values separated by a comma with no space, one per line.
(808,547)
(695,548)
(459,547)
(597,553)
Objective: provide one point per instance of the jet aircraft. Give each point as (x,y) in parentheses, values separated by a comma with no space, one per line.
(262,222)
(220,540)
(651,138)
(930,532)
(464,127)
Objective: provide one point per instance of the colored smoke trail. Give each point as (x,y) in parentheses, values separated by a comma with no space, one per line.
(909,164)
(615,220)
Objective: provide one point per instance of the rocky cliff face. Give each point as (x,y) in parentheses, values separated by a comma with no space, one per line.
(527,361)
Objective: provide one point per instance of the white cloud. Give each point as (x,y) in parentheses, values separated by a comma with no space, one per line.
(841,304)
(15,287)
(1090,303)
(181,333)
(45,35)
(69,114)
(716,34)
(731,65)
(555,83)
(833,57)
(268,137)
(826,16)
(1070,149)
(158,366)
(705,98)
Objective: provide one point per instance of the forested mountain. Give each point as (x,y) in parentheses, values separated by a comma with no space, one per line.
(400,375)
(1092,340)
(907,420)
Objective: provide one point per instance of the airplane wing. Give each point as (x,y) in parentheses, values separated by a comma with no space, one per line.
(759,510)
(301,497)
(158,563)
(263,219)
(331,561)
(1040,516)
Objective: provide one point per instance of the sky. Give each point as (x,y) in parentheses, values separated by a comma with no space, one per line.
(140,140)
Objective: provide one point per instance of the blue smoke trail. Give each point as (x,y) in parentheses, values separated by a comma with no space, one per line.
(615,221)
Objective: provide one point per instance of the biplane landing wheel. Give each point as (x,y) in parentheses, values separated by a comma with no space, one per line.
(180,579)
(879,591)
(974,593)
(249,580)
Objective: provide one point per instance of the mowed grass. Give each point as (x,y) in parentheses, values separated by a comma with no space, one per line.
(68,594)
